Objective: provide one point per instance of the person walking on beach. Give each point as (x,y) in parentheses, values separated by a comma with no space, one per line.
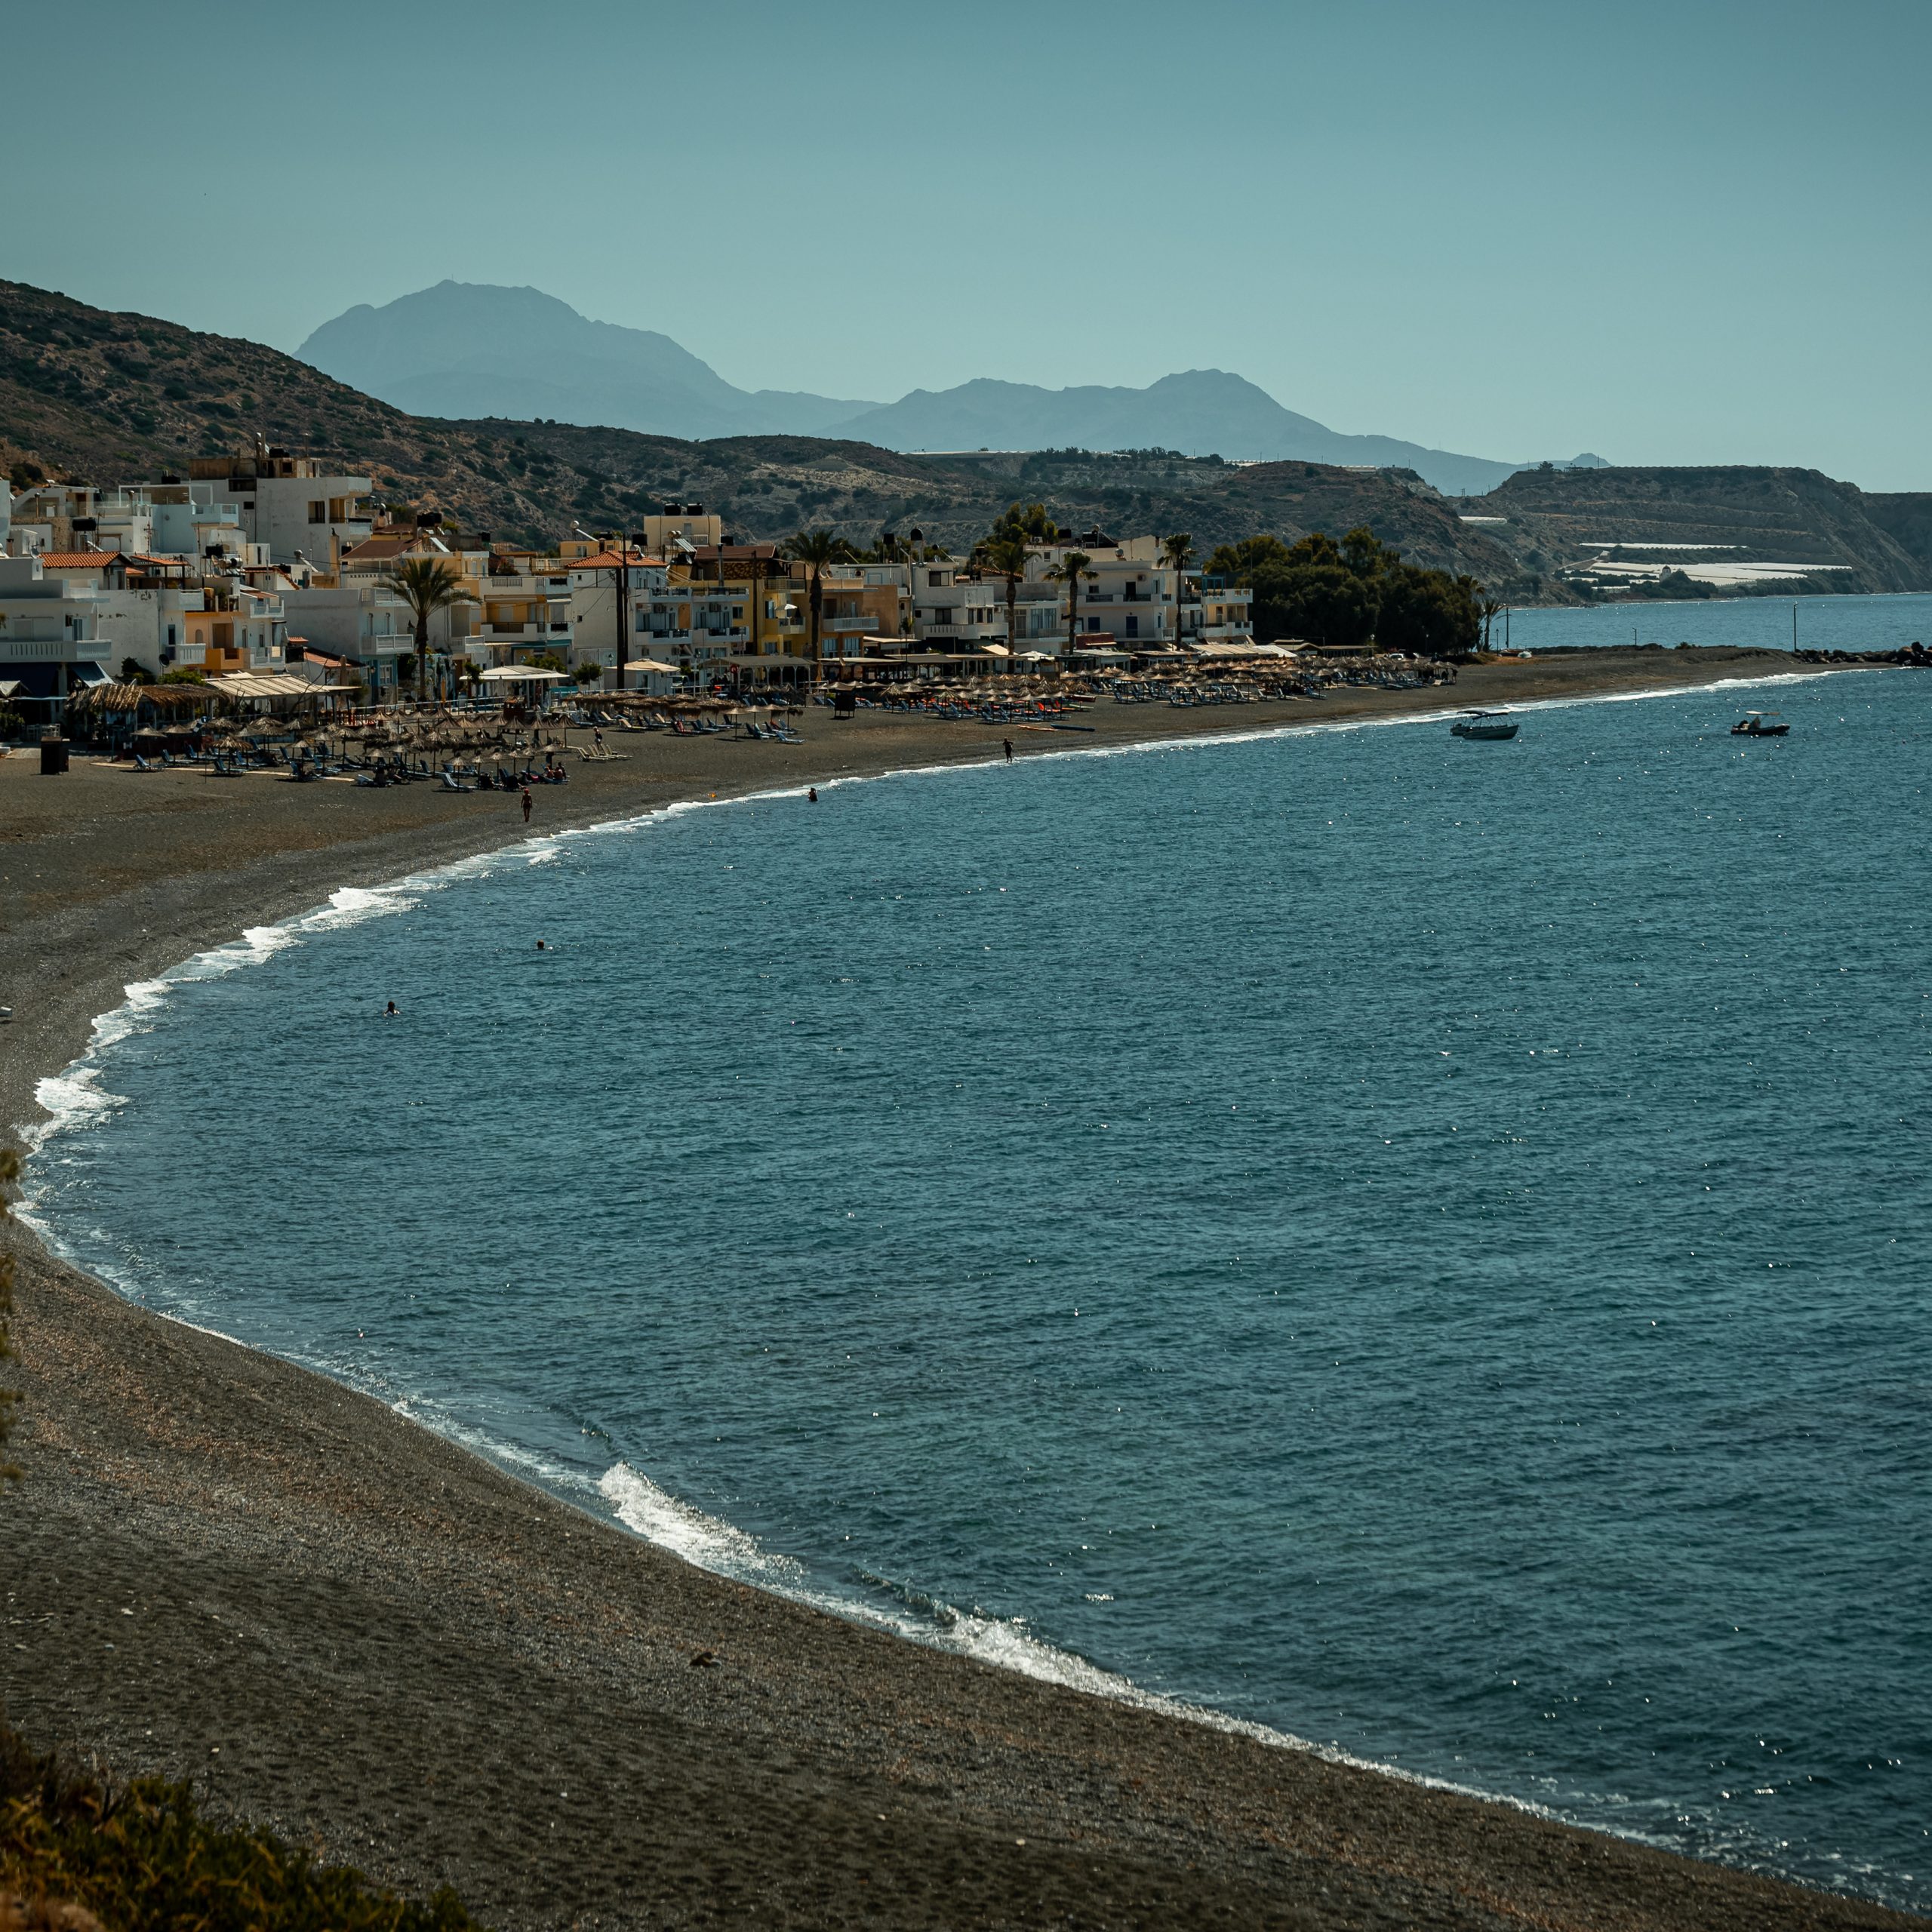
(1008,744)
(526,804)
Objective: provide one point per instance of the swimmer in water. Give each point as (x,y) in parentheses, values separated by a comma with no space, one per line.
(539,946)
(811,795)
(392,1012)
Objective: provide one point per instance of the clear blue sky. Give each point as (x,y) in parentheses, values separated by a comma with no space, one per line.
(1671,233)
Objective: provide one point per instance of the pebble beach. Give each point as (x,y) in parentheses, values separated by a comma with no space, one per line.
(222,1566)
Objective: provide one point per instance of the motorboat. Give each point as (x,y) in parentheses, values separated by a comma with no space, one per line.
(1758,724)
(1485,724)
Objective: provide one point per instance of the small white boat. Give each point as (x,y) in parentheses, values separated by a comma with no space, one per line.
(1485,724)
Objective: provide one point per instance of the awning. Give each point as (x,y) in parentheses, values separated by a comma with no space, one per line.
(644,664)
(264,684)
(520,674)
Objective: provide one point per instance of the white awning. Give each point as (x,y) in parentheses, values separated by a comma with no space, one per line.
(520,674)
(652,664)
(263,683)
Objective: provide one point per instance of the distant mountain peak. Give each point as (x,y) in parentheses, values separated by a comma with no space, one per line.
(472,349)
(467,349)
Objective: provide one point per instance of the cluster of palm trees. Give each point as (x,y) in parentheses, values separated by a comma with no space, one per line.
(427,585)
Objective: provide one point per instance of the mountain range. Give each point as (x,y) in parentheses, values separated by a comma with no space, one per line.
(87,395)
(469,350)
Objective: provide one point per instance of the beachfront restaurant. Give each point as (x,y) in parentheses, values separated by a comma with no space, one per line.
(520,685)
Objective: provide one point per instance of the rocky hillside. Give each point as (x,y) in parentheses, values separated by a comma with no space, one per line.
(1555,519)
(108,399)
(118,397)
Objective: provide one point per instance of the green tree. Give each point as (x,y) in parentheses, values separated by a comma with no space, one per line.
(1033,523)
(1305,590)
(1428,613)
(132,671)
(1068,571)
(1006,552)
(817,550)
(426,585)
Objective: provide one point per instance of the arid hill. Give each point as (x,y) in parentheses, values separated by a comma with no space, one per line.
(110,398)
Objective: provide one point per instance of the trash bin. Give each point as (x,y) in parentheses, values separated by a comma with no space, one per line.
(53,755)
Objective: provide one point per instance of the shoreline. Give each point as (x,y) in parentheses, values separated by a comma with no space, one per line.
(172,1468)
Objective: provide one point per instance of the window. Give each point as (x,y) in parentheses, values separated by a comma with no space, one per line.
(319,512)
(936,579)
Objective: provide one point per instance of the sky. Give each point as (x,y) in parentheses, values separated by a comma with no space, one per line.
(1667,233)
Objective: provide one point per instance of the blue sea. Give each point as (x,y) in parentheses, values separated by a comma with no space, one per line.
(1423,1247)
(1761,623)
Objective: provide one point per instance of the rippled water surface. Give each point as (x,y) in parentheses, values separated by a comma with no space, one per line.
(1760,623)
(1420,1244)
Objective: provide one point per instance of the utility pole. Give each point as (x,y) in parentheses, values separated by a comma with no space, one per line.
(620,592)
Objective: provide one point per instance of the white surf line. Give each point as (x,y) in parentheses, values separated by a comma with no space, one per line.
(68,1096)
(722,1549)
(1022,1654)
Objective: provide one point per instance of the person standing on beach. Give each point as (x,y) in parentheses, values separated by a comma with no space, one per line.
(526,804)
(1008,744)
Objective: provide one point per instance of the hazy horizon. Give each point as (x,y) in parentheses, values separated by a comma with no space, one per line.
(1678,238)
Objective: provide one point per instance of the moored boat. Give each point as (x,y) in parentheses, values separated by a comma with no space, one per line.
(1758,724)
(1485,724)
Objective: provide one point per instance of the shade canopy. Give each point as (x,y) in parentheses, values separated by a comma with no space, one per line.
(520,674)
(265,684)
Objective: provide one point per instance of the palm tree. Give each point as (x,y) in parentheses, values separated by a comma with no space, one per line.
(1069,573)
(426,585)
(1487,609)
(815,549)
(1178,551)
(1005,554)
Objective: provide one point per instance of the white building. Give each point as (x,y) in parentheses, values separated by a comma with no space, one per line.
(594,605)
(48,643)
(362,624)
(289,504)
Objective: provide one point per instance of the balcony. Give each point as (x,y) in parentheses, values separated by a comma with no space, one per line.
(58,649)
(517,633)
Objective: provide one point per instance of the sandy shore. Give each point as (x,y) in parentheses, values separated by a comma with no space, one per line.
(222,1566)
